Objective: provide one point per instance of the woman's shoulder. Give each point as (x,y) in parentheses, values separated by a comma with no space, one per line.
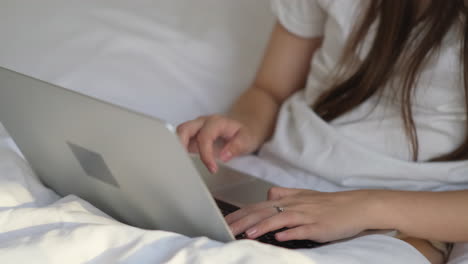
(303,14)
(309,18)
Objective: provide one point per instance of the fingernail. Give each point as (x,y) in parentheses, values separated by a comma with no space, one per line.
(251,232)
(213,169)
(226,155)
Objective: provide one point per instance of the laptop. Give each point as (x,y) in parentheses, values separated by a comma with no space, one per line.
(129,165)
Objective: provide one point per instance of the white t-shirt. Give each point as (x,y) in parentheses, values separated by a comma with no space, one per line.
(367,147)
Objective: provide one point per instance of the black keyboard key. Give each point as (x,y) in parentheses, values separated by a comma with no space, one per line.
(226,208)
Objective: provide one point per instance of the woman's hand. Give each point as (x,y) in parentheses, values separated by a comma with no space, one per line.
(283,71)
(201,134)
(312,215)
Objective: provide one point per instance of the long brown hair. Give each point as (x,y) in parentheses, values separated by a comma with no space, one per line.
(397,21)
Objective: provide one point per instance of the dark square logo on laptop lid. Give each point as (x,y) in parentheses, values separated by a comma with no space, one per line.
(93,164)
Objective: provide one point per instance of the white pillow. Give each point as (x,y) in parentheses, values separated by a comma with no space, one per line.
(174,59)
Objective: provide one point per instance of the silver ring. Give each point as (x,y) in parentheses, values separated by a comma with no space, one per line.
(279,209)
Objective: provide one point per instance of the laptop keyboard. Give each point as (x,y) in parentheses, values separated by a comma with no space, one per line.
(268,238)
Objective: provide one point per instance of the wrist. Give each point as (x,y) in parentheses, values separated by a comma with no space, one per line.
(257,110)
(258,131)
(250,124)
(381,207)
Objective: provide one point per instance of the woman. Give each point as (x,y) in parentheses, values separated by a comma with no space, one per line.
(380,110)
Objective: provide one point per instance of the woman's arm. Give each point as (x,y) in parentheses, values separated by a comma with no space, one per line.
(284,70)
(251,121)
(441,216)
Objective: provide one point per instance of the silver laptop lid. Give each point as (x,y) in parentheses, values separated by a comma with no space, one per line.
(129,165)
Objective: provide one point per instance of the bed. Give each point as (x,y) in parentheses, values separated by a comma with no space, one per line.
(146,55)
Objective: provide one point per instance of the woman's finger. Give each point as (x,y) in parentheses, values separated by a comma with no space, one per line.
(188,130)
(303,232)
(205,139)
(231,218)
(193,146)
(214,128)
(275,222)
(234,147)
(244,223)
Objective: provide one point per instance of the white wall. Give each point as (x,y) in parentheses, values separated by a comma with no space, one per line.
(175,59)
